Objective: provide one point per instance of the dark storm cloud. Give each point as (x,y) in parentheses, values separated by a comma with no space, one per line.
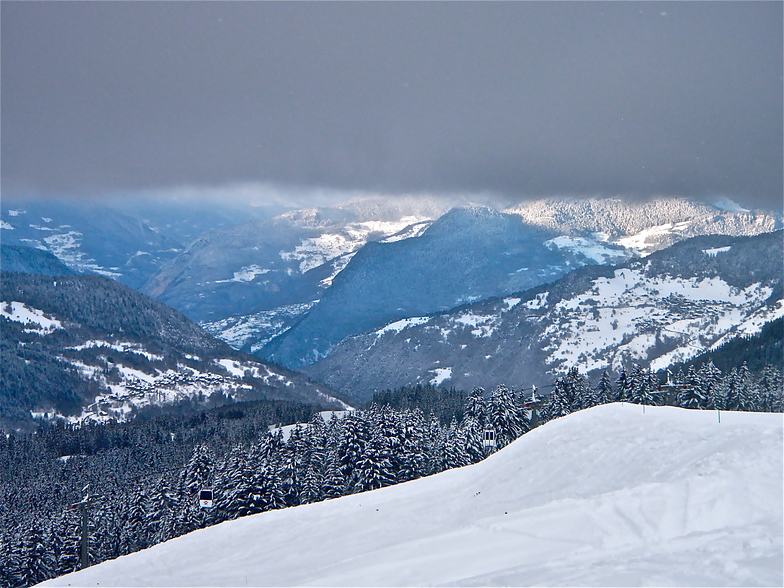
(519,98)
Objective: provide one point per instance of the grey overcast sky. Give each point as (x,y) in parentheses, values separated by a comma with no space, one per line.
(521,98)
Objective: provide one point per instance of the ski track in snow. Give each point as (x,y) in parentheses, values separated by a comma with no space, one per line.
(609,496)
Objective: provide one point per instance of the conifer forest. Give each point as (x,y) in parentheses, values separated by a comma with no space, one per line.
(142,479)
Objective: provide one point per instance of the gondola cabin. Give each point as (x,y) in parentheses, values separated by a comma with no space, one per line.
(489,438)
(205,498)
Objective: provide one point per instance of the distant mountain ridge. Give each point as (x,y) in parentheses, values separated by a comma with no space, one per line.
(666,308)
(475,252)
(467,254)
(88,236)
(27,260)
(263,265)
(645,225)
(89,347)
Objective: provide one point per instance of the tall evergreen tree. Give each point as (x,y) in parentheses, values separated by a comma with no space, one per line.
(604,389)
(505,416)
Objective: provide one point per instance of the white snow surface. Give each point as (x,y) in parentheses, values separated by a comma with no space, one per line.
(398,326)
(595,251)
(610,496)
(245,274)
(441,375)
(21,313)
(715,251)
(626,317)
(316,251)
(65,246)
(645,241)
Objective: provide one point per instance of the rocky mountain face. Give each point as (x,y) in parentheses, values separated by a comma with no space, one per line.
(88,237)
(664,309)
(88,347)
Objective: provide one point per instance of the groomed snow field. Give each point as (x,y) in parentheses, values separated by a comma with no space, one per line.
(610,496)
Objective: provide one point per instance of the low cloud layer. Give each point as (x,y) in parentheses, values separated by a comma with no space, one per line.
(514,98)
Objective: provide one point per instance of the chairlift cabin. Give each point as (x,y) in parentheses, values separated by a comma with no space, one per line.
(205,498)
(489,438)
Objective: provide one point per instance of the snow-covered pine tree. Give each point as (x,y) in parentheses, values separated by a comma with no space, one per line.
(710,376)
(558,404)
(36,562)
(66,537)
(691,394)
(161,510)
(135,533)
(455,454)
(505,416)
(644,387)
(351,448)
(604,389)
(334,483)
(415,450)
(622,386)
(476,406)
(771,389)
(374,469)
(749,397)
(198,472)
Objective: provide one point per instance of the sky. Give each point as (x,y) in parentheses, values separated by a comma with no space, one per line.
(522,99)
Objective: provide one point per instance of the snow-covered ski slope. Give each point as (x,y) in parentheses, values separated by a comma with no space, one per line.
(611,496)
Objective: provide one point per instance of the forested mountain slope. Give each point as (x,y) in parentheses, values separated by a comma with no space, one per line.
(89,347)
(26,260)
(664,309)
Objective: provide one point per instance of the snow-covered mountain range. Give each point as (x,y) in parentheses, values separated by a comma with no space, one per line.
(273,264)
(292,287)
(85,346)
(663,309)
(467,254)
(610,496)
(470,254)
(89,237)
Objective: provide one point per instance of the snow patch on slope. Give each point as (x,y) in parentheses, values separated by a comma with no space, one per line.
(646,241)
(441,375)
(121,346)
(716,250)
(65,246)
(398,326)
(27,315)
(257,329)
(317,251)
(245,274)
(594,251)
(623,318)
